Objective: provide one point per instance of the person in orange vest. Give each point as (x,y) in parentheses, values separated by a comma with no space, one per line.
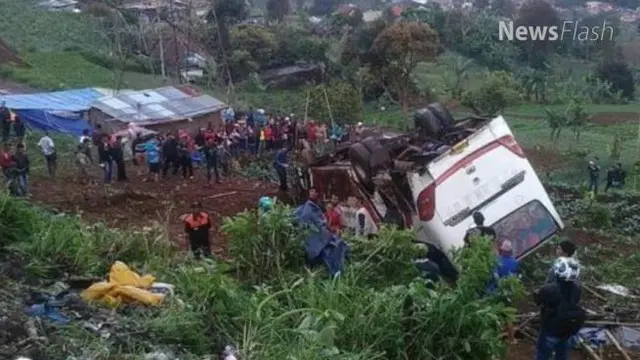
(197,226)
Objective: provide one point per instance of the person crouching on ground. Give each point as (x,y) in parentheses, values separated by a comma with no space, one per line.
(197,226)
(560,312)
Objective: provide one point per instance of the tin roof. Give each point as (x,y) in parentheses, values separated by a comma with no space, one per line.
(147,107)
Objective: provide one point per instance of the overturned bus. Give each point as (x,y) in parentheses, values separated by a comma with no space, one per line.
(434,178)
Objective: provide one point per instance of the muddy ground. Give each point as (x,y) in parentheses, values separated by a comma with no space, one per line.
(137,203)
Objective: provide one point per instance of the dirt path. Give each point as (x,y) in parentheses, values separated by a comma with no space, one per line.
(138,204)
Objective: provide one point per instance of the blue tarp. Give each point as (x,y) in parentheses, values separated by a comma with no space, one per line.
(67,123)
(58,111)
(68,100)
(321,245)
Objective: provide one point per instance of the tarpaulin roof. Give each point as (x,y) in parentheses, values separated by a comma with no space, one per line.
(68,100)
(147,107)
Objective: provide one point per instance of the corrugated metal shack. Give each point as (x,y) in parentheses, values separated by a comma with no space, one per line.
(163,109)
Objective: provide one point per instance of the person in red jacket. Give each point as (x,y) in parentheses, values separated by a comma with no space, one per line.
(7,161)
(197,226)
(334,219)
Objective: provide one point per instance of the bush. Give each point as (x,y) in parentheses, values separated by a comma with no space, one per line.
(263,248)
(377,308)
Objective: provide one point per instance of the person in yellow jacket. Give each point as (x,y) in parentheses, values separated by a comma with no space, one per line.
(262,140)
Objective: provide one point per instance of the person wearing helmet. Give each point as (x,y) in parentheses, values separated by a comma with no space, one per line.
(560,312)
(565,249)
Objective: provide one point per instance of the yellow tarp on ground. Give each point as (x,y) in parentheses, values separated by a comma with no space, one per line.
(124,286)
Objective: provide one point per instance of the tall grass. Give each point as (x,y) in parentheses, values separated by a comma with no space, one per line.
(377,309)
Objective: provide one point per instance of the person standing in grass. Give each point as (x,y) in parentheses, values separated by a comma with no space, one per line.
(594,175)
(560,311)
(49,151)
(197,226)
(22,167)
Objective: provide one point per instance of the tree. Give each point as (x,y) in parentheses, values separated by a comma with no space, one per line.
(402,46)
(535,83)
(577,117)
(497,90)
(453,78)
(253,49)
(225,13)
(277,9)
(504,8)
(480,42)
(539,14)
(337,100)
(297,45)
(557,121)
(619,75)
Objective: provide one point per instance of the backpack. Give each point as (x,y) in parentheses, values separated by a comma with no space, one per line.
(567,320)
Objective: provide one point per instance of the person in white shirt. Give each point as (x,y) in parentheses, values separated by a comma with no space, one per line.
(365,225)
(49,151)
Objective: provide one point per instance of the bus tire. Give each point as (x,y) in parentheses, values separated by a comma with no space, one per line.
(360,158)
(443,115)
(427,122)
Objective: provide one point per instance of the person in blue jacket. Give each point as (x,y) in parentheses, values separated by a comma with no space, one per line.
(281,164)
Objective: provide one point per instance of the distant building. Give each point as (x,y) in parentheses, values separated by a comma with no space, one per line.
(371,15)
(60,5)
(597,7)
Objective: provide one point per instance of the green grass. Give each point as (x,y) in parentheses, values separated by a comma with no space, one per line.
(539,110)
(28,27)
(69,69)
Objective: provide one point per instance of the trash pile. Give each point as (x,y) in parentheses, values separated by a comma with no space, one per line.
(79,302)
(618,328)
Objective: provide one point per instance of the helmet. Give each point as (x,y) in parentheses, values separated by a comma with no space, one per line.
(566,268)
(265,203)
